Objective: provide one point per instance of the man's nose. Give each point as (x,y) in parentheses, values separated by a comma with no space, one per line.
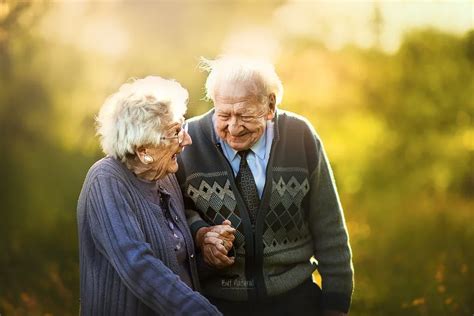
(234,126)
(187,140)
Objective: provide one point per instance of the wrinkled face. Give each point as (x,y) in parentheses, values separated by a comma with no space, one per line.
(240,116)
(173,141)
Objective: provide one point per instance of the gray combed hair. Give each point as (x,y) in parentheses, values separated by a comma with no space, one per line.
(133,116)
(238,69)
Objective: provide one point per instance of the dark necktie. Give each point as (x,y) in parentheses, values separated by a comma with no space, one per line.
(247,187)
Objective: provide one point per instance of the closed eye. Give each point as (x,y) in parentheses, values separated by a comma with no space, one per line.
(247,117)
(224,117)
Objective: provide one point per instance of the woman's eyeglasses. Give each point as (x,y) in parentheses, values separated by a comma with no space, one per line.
(180,134)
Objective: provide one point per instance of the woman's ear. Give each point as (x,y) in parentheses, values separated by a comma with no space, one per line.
(143,156)
(271,106)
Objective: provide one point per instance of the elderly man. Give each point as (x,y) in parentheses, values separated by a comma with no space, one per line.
(260,174)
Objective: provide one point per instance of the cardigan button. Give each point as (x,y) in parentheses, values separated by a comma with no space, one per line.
(192,256)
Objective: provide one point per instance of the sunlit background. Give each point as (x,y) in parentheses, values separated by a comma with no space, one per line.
(387,84)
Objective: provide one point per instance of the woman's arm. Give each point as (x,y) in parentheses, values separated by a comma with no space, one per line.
(118,236)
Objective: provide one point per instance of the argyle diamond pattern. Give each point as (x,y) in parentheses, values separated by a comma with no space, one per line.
(218,203)
(284,221)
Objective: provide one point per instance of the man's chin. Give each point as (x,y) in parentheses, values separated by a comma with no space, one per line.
(239,146)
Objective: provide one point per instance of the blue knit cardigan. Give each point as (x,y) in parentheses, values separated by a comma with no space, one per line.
(127,260)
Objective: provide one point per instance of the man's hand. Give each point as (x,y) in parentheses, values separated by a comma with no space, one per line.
(215,242)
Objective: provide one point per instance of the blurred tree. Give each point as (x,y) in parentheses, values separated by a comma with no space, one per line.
(418,181)
(377,25)
(34,274)
(426,92)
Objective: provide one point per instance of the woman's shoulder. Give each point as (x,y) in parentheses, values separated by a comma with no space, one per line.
(109,168)
(106,165)
(106,174)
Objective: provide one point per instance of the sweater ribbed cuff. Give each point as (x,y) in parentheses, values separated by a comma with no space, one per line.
(336,301)
(196,226)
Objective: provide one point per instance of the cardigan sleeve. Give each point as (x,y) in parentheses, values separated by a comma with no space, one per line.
(118,236)
(195,221)
(331,241)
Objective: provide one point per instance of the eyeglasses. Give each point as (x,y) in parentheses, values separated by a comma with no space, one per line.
(180,134)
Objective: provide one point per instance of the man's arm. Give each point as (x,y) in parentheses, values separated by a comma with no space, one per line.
(331,241)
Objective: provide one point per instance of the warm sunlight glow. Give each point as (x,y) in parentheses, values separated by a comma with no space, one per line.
(356,22)
(92,32)
(4,10)
(252,41)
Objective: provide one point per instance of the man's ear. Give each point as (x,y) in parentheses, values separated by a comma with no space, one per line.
(271,106)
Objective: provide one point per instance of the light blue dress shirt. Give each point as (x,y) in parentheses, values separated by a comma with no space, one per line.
(257,158)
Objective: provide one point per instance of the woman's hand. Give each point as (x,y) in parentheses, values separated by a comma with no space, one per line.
(215,242)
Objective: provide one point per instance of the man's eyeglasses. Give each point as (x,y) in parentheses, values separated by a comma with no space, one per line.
(179,135)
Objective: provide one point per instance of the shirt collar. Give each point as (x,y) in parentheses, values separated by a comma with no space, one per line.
(259,147)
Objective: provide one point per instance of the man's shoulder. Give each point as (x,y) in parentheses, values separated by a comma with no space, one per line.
(290,119)
(200,119)
(289,115)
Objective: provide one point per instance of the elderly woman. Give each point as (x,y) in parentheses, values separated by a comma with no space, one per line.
(136,251)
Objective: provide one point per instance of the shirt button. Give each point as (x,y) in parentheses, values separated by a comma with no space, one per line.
(192,256)
(176,218)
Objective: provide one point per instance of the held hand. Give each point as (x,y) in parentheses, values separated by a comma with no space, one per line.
(225,232)
(221,243)
(215,257)
(215,242)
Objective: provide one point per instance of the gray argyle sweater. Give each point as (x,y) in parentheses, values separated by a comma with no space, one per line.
(299,216)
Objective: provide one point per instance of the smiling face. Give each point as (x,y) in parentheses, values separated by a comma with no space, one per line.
(165,154)
(240,115)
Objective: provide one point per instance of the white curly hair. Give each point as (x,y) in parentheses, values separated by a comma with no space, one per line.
(239,69)
(134,115)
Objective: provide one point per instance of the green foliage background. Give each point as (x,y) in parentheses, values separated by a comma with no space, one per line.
(397,128)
